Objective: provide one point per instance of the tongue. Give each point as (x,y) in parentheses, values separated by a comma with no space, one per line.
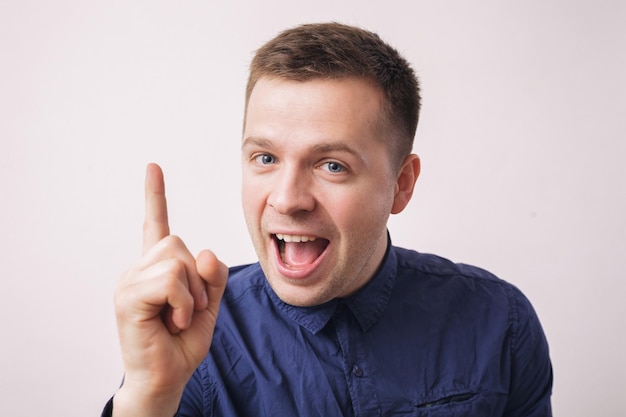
(303,253)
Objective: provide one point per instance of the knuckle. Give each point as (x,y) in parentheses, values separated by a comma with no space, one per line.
(177,268)
(173,241)
(172,245)
(176,273)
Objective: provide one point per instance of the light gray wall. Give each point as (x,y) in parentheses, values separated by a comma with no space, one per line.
(522,139)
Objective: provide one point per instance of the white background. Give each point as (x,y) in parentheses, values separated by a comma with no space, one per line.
(522,138)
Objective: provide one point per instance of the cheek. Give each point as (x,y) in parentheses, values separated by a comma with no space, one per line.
(252,203)
(251,189)
(361,210)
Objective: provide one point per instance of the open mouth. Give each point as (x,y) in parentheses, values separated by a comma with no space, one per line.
(299,250)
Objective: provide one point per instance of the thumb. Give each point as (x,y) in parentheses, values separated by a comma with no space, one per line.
(215,275)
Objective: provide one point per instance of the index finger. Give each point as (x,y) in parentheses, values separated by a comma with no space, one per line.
(156,225)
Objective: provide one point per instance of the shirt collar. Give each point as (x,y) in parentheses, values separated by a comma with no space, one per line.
(367,304)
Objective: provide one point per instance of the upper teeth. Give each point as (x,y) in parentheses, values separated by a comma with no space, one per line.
(294,238)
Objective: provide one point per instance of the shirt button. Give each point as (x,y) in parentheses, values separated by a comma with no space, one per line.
(356,371)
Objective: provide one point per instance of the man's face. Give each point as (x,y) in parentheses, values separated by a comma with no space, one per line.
(318,186)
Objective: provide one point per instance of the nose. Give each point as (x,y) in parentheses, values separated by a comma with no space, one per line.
(291,192)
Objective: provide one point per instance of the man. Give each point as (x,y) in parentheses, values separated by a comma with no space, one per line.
(333,320)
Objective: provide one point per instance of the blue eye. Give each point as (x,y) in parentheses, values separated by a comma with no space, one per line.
(265,159)
(334,167)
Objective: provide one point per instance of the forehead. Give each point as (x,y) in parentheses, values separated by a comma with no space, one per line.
(335,110)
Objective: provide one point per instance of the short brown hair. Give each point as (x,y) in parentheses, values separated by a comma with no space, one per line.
(336,51)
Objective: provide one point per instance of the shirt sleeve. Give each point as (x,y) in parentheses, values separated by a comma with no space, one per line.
(108,409)
(195,401)
(531,373)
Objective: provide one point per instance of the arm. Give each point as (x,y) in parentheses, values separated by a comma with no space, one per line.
(531,373)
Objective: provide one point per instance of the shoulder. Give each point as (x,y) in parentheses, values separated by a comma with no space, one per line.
(246,298)
(458,285)
(428,269)
(437,266)
(243,279)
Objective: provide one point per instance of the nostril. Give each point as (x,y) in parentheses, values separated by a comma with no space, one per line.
(292,203)
(291,192)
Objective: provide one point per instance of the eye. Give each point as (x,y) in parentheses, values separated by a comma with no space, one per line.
(333,167)
(265,159)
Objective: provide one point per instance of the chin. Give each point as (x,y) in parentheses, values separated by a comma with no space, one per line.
(299,297)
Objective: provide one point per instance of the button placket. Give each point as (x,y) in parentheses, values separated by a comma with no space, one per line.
(349,336)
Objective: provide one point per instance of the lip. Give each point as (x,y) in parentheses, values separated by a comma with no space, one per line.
(296,273)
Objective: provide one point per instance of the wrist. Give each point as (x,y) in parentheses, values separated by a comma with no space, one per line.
(131,402)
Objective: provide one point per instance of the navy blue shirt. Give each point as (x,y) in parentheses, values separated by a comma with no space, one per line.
(425,337)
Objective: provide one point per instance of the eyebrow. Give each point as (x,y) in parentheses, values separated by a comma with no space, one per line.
(335,147)
(319,148)
(252,141)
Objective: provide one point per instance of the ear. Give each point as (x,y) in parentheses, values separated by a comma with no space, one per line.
(405,183)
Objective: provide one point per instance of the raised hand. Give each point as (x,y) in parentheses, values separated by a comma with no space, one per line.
(166,308)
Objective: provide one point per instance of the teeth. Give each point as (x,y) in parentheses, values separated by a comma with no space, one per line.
(294,238)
